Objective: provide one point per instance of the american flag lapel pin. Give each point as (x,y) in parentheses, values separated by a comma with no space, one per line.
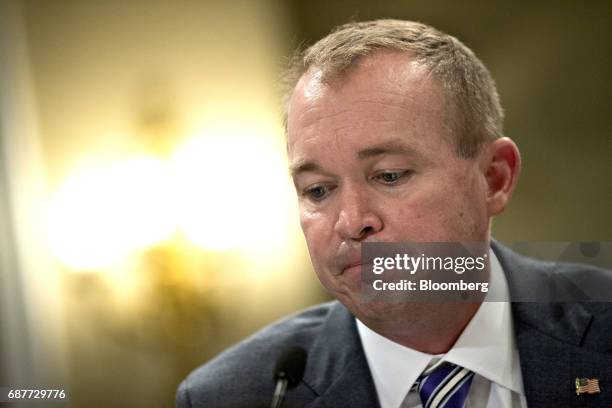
(587,386)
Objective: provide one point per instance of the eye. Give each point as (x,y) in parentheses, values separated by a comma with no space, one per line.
(317,192)
(391,177)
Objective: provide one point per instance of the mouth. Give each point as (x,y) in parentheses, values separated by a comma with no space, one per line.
(356,267)
(350,260)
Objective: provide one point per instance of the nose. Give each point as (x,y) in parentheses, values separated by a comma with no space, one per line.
(357,219)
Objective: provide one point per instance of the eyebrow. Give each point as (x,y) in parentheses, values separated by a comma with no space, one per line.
(304,167)
(390,147)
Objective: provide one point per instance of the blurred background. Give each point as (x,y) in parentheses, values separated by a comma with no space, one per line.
(147,220)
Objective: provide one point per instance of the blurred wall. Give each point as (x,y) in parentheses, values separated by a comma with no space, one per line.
(31,336)
(113,82)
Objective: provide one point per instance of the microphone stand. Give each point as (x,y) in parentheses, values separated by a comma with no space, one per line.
(279,392)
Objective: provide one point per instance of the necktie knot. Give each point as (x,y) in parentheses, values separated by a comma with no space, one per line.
(446,386)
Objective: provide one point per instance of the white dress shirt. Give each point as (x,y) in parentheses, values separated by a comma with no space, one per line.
(486,346)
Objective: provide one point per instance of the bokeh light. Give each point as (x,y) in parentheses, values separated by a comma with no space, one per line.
(226,189)
(232,188)
(102,213)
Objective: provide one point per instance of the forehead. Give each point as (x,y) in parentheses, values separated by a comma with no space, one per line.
(385,94)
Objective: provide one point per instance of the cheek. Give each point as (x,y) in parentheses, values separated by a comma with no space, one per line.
(413,218)
(438,213)
(316,229)
(310,223)
(320,246)
(464,212)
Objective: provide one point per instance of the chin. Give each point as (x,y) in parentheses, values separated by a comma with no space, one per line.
(376,311)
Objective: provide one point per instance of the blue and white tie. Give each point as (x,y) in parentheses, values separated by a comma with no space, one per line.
(446,386)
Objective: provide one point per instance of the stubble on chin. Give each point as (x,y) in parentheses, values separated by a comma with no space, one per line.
(406,319)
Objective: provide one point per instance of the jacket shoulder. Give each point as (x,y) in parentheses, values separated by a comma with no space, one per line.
(245,371)
(532,280)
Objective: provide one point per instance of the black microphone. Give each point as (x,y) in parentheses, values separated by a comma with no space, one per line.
(288,372)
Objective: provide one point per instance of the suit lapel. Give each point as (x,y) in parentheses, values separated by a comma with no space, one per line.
(550,338)
(337,369)
(547,360)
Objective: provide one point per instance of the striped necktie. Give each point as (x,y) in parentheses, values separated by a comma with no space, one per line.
(445,386)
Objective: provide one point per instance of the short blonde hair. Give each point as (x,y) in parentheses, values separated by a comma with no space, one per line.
(459,71)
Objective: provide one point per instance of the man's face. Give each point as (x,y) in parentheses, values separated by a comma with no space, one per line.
(373,158)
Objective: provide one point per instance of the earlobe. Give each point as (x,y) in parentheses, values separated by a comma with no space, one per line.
(502,172)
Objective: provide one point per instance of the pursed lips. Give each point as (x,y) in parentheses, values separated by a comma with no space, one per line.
(348,258)
(354,264)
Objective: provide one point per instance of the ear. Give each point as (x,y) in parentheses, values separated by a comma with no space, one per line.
(502,166)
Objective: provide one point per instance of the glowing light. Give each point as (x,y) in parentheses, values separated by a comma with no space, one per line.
(101,214)
(232,189)
(225,190)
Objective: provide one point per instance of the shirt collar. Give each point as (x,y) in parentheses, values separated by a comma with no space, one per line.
(486,346)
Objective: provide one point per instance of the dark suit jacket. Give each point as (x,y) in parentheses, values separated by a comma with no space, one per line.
(557,342)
